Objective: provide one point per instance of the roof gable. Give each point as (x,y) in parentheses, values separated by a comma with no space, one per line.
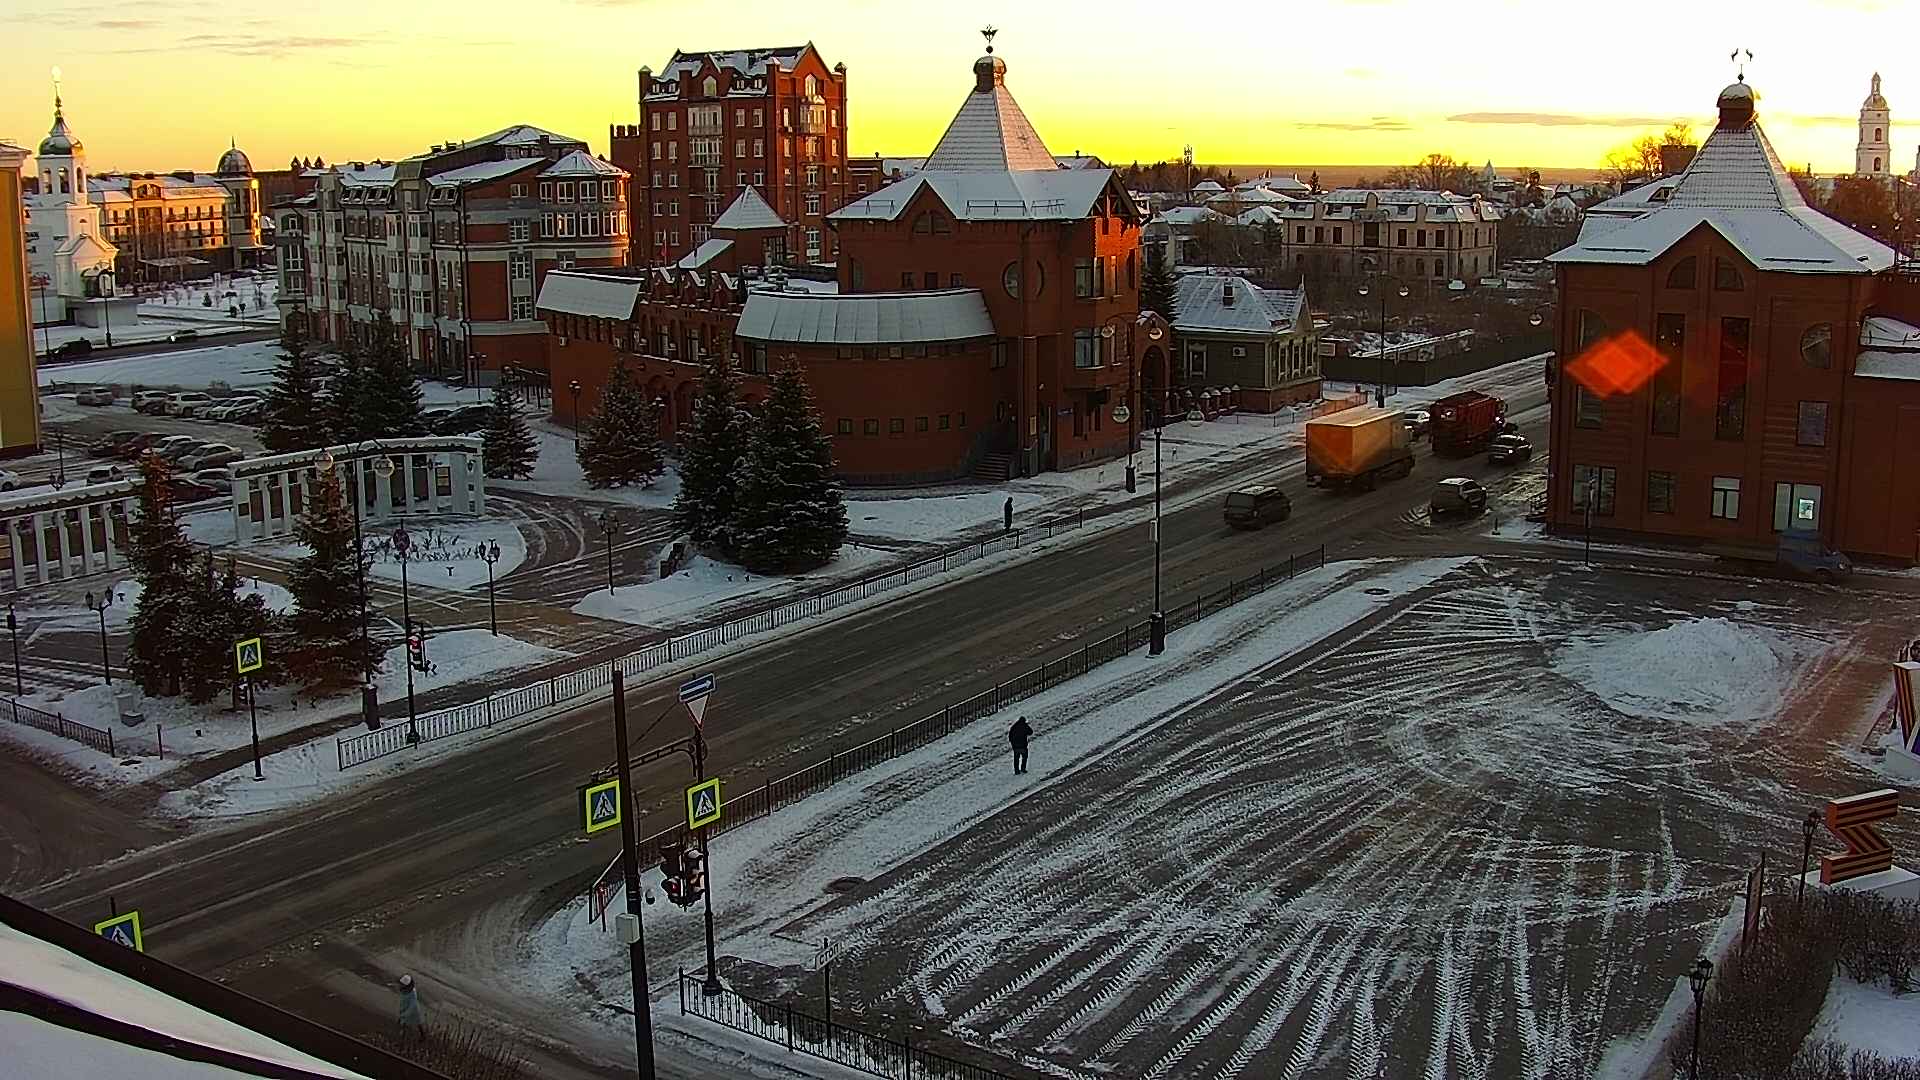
(749,211)
(990,133)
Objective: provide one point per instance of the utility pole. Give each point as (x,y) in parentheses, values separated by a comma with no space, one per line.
(630,864)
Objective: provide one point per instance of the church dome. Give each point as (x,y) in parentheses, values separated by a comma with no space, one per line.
(1736,104)
(1874,98)
(988,72)
(60,140)
(234,163)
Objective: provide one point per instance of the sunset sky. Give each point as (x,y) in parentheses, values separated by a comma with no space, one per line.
(164,85)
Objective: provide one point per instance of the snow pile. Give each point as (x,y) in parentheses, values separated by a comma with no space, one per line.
(1868,1018)
(459,655)
(1706,670)
(704,585)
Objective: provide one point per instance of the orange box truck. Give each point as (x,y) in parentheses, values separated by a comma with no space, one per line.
(1358,448)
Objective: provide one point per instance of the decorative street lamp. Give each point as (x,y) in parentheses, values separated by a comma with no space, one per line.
(609,524)
(490,554)
(1380,358)
(1157,621)
(402,545)
(1808,826)
(98,608)
(573,387)
(383,468)
(13,631)
(1698,978)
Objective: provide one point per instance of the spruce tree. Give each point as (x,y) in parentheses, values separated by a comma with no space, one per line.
(343,407)
(391,405)
(161,558)
(622,438)
(508,446)
(291,419)
(788,514)
(221,616)
(324,645)
(1157,289)
(710,466)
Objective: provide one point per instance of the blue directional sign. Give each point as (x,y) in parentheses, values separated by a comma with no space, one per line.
(600,806)
(694,693)
(122,930)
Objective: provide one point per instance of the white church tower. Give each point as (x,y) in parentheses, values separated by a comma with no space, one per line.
(68,255)
(1873,154)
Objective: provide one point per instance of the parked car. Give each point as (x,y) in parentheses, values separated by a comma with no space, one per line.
(188,491)
(94,395)
(1509,450)
(218,479)
(1457,495)
(114,441)
(133,448)
(184,335)
(9,481)
(433,418)
(1254,507)
(186,402)
(463,420)
(76,347)
(105,474)
(207,457)
(231,410)
(1418,420)
(150,401)
(174,447)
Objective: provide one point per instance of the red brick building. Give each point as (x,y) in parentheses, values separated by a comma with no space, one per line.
(1735,364)
(715,123)
(453,244)
(985,318)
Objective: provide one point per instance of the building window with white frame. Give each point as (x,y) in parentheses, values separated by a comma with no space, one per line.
(563,191)
(520,230)
(813,202)
(813,243)
(565,259)
(1726,498)
(522,308)
(519,266)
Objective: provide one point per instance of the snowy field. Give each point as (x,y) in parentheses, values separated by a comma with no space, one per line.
(1438,819)
(247,364)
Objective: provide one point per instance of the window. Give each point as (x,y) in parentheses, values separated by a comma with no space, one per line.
(1597,480)
(870,427)
(1319,234)
(1660,487)
(1589,411)
(1796,506)
(1726,276)
(1010,279)
(897,426)
(656,124)
(1197,361)
(812,202)
(1730,400)
(565,259)
(843,427)
(961,421)
(673,121)
(1083,278)
(813,243)
(930,279)
(759,150)
(1683,273)
(906,279)
(546,188)
(1300,234)
(1726,497)
(919,423)
(997,354)
(954,281)
(1400,238)
(1812,429)
(1670,339)
(522,308)
(1419,238)
(518,191)
(1086,348)
(946,421)
(1816,345)
(1337,233)
(519,265)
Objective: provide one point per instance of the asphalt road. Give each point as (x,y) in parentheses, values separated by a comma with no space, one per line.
(311,908)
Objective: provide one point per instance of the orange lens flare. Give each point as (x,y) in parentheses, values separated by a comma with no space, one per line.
(1617,365)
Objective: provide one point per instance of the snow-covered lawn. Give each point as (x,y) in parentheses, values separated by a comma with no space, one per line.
(443,552)
(457,656)
(1869,1018)
(141,331)
(704,584)
(557,472)
(246,364)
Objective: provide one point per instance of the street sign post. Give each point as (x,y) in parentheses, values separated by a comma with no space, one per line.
(600,806)
(250,656)
(694,694)
(703,804)
(122,930)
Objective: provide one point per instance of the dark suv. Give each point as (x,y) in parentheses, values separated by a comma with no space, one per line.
(1251,508)
(1457,495)
(1509,450)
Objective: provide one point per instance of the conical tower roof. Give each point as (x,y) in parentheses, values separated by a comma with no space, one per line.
(990,133)
(60,140)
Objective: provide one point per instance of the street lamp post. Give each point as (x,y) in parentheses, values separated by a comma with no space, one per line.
(573,387)
(13,631)
(60,465)
(1808,826)
(609,524)
(98,608)
(402,545)
(382,467)
(1593,496)
(1698,978)
(490,554)
(1380,357)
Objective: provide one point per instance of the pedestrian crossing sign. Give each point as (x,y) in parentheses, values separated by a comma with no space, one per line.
(600,806)
(703,804)
(248,656)
(122,930)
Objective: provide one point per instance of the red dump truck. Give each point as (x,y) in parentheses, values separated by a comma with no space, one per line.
(1358,448)
(1464,423)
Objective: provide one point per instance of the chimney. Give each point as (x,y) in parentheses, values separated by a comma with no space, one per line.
(1226,294)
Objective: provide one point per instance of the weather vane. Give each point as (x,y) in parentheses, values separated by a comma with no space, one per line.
(1741,68)
(988,34)
(56,83)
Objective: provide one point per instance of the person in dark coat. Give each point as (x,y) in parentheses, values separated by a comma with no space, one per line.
(412,1020)
(1018,735)
(1006,514)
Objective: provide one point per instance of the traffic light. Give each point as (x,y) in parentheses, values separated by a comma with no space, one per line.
(416,649)
(672,881)
(694,875)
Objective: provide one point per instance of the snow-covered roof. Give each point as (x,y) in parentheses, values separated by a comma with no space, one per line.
(865,318)
(743,61)
(708,251)
(1185,215)
(1079,161)
(481,171)
(1208,186)
(1286,185)
(1883,331)
(519,135)
(372,175)
(1244,197)
(201,186)
(1737,187)
(1052,195)
(581,163)
(588,294)
(1886,364)
(749,211)
(1260,215)
(990,133)
(1229,303)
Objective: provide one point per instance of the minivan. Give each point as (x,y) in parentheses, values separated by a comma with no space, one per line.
(1457,495)
(1254,507)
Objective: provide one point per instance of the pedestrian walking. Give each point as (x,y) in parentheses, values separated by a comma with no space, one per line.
(412,1021)
(1018,735)
(1006,514)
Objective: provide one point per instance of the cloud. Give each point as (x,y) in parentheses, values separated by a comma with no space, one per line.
(1822,121)
(127,24)
(256,44)
(1377,123)
(1538,119)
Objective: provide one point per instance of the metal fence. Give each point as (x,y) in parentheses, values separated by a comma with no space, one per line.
(824,1038)
(509,704)
(87,735)
(755,803)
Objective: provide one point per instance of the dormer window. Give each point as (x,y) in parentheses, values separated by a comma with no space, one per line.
(710,87)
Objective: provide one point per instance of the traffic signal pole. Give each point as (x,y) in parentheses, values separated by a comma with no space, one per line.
(630,864)
(711,987)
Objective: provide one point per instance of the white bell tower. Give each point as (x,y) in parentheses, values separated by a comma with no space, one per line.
(1873,154)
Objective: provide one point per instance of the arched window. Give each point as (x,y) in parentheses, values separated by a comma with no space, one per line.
(710,87)
(1682,276)
(1726,277)
(813,87)
(1877,136)
(79,179)
(1816,345)
(1876,164)
(65,179)
(1010,279)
